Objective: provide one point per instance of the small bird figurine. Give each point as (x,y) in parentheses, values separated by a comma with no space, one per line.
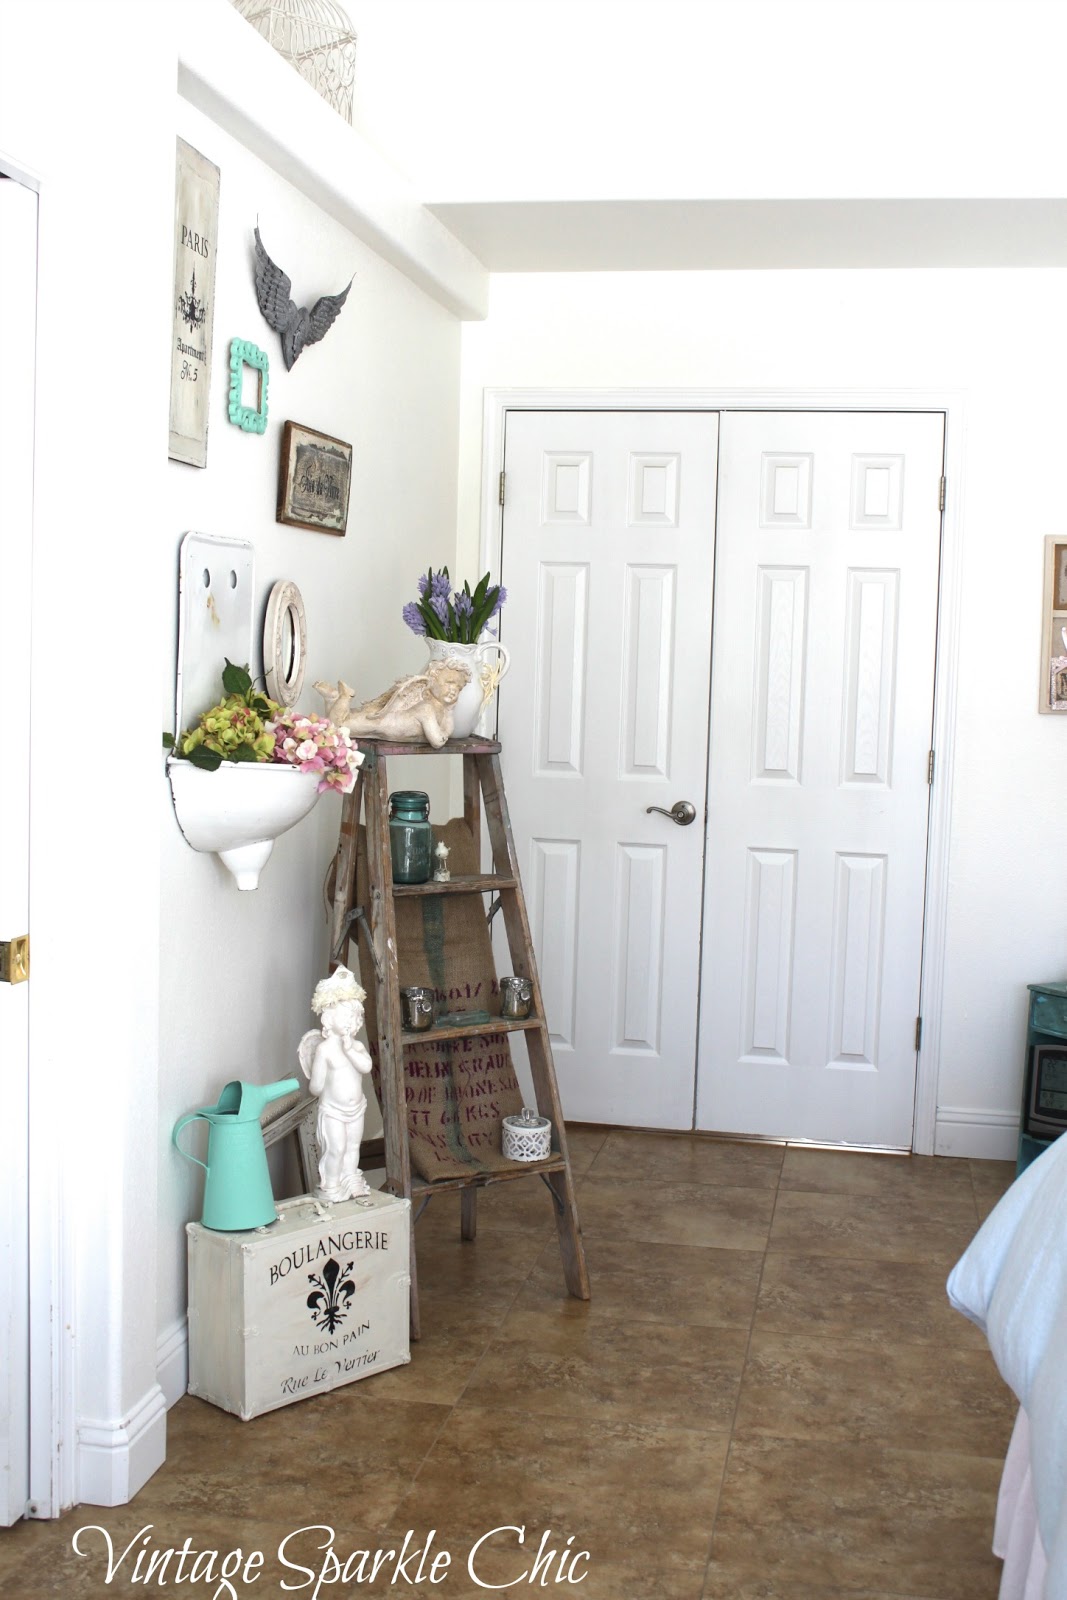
(337,701)
(297,325)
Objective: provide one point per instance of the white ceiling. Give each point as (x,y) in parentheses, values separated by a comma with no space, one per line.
(685,235)
(571,135)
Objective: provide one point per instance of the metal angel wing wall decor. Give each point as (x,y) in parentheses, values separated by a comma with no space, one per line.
(297,325)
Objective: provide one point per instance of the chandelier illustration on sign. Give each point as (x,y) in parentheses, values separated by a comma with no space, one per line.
(190,309)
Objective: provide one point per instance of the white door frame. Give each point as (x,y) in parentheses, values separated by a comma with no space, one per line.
(498,402)
(51,1217)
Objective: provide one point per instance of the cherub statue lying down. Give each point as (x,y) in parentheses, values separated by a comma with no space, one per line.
(417,708)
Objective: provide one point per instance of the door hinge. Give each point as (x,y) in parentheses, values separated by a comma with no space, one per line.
(930,767)
(918,1032)
(503,475)
(941,495)
(15,959)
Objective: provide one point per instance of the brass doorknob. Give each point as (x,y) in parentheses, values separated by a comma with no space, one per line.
(682,812)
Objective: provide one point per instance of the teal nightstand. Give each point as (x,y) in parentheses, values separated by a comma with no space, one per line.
(1044,1108)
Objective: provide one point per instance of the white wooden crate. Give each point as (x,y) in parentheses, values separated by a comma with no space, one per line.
(317,1299)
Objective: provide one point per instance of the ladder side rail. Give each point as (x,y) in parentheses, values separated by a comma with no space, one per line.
(542,1070)
(468,1213)
(472,798)
(472,816)
(341,931)
(542,1067)
(387,980)
(517,928)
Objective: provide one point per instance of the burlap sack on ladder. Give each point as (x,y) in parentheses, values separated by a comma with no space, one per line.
(458,1091)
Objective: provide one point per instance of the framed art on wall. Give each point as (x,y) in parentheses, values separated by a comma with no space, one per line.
(196,217)
(1054,627)
(1059,576)
(314,478)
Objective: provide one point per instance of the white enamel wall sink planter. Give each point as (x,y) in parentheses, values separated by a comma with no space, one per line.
(239,810)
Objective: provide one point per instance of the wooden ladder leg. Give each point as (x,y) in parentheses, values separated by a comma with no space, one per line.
(387,980)
(344,875)
(468,1214)
(472,816)
(572,1250)
(542,1066)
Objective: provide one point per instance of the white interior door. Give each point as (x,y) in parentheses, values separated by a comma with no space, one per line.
(18,274)
(608,533)
(822,693)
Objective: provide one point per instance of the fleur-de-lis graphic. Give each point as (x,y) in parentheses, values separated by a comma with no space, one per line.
(190,309)
(329,1301)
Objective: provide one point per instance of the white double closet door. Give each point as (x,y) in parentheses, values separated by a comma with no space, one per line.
(755,971)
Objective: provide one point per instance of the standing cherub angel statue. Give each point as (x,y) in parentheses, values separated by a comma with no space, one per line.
(335,1064)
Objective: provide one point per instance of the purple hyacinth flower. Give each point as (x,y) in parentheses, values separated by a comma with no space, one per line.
(414,618)
(464,605)
(440,605)
(424,584)
(441,587)
(502,595)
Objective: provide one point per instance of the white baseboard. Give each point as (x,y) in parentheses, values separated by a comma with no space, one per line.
(172,1361)
(117,1458)
(983,1135)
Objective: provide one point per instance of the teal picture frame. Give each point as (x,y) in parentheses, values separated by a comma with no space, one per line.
(243,353)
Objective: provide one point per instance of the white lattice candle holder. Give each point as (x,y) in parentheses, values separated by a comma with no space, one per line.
(527,1137)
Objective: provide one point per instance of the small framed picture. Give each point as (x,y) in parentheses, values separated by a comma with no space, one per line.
(1054,627)
(314,479)
(1059,578)
(251,417)
(1058,684)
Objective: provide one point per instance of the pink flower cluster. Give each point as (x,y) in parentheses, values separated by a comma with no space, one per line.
(314,744)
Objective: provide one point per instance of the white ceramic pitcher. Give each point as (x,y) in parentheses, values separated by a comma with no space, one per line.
(485,674)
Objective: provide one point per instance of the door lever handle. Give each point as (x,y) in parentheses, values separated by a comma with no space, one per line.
(682,812)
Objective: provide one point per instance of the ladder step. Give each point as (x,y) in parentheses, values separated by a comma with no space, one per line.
(494,1025)
(476,883)
(481,1180)
(453,747)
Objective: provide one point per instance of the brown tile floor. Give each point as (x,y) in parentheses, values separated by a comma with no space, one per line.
(767,1399)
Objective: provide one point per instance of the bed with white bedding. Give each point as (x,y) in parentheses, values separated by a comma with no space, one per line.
(1012,1282)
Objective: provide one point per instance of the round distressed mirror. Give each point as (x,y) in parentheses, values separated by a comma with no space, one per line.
(284,643)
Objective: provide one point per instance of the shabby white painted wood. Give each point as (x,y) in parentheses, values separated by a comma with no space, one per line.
(822,697)
(285,643)
(18,267)
(317,1300)
(608,539)
(216,576)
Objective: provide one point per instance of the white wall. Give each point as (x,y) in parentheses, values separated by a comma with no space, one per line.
(154,980)
(998,338)
(99,577)
(238,968)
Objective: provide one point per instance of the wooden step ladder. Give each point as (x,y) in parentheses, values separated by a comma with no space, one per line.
(482,784)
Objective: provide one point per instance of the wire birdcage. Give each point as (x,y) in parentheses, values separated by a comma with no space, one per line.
(316,38)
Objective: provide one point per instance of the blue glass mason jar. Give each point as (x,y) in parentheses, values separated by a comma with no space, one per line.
(410,836)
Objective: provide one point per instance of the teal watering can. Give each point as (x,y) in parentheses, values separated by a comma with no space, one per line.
(237,1191)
